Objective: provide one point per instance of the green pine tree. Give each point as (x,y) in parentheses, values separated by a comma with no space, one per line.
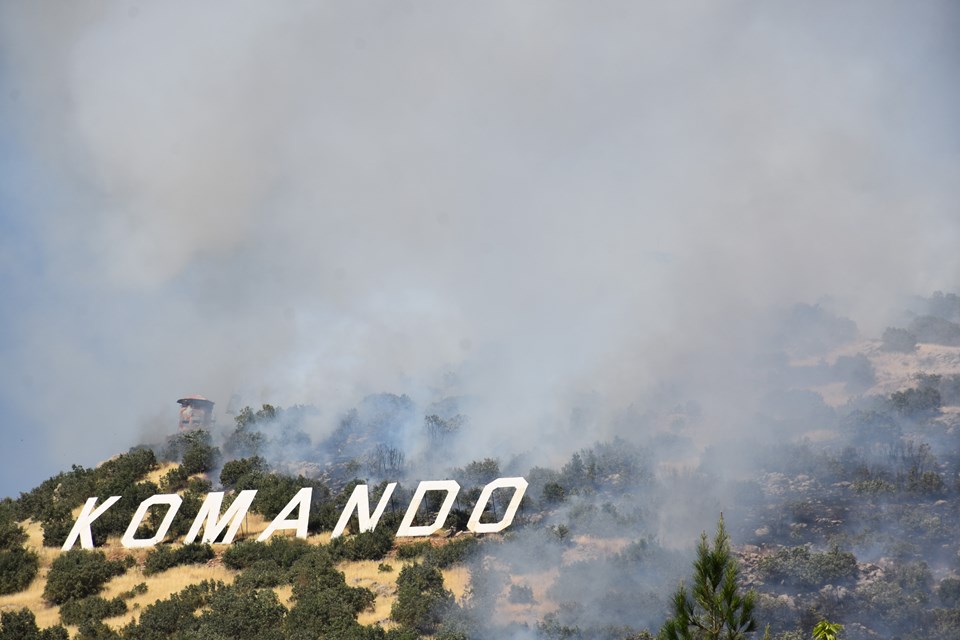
(714,608)
(826,630)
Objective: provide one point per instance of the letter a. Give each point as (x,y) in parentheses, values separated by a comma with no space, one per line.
(360,501)
(301,500)
(81,527)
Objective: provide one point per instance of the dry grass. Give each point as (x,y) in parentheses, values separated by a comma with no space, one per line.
(365,573)
(893,370)
(358,574)
(162,470)
(285,595)
(32,597)
(160,586)
(457,580)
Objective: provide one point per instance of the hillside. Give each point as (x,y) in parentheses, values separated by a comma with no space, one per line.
(842,500)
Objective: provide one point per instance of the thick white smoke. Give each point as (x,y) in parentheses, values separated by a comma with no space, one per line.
(304,203)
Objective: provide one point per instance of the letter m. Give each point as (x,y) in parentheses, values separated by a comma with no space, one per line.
(212,524)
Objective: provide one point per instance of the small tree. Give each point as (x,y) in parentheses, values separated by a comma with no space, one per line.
(714,608)
(826,630)
(421,600)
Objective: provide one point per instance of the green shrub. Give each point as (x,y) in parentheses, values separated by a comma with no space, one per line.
(137,590)
(324,603)
(520,594)
(873,486)
(949,592)
(234,470)
(95,630)
(174,480)
(164,557)
(422,602)
(553,493)
(899,599)
(114,476)
(69,489)
(944,624)
(799,565)
(453,552)
(280,550)
(91,608)
(57,522)
(413,550)
(261,574)
(243,613)
(913,402)
(22,625)
(79,573)
(18,568)
(200,458)
(898,340)
(12,535)
(369,545)
(175,615)
(935,330)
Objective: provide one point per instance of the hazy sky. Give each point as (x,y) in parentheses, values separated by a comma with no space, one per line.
(521,201)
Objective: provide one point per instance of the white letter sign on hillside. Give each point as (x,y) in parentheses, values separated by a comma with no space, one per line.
(172,500)
(450,486)
(81,527)
(210,511)
(360,501)
(520,486)
(300,501)
(213,524)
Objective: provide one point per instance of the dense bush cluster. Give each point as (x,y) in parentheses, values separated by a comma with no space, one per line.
(22,625)
(91,608)
(79,573)
(422,601)
(164,557)
(803,567)
(18,565)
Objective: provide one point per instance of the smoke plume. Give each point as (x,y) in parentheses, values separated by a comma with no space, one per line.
(536,207)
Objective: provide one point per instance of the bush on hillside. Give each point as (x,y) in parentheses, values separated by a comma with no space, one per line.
(801,566)
(898,340)
(18,568)
(164,557)
(22,625)
(91,608)
(175,615)
(422,601)
(79,573)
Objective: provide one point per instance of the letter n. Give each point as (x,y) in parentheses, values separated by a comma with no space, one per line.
(360,501)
